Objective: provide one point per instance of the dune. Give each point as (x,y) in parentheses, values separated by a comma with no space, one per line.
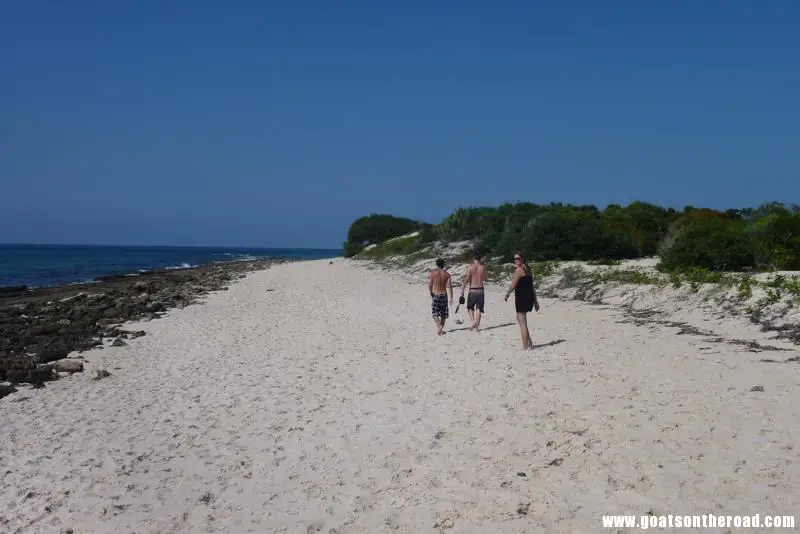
(316,397)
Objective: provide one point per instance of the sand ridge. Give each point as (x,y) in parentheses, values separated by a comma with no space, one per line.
(314,397)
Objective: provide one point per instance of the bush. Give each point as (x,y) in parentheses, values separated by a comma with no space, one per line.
(427,234)
(646,223)
(574,235)
(397,246)
(378,228)
(778,237)
(711,243)
(351,249)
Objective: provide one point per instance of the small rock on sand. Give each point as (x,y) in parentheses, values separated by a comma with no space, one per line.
(68,365)
(100,374)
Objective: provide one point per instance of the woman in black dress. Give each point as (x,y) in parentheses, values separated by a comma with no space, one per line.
(524,297)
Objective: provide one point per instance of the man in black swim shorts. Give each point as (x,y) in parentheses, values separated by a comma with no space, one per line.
(475,279)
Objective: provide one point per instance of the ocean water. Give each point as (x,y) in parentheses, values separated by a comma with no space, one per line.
(49,265)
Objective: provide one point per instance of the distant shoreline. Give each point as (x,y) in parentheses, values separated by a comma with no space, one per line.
(27,267)
(130,275)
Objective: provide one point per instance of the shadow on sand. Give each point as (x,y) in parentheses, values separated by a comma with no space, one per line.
(548,344)
(484,328)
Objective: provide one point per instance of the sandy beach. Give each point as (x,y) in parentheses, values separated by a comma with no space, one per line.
(312,397)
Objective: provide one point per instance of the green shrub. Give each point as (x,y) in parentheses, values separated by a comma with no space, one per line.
(351,249)
(574,273)
(778,237)
(378,228)
(773,295)
(427,234)
(711,243)
(544,269)
(745,286)
(398,246)
(697,276)
(625,276)
(495,272)
(574,235)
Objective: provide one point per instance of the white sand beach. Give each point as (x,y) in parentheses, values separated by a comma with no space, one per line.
(317,398)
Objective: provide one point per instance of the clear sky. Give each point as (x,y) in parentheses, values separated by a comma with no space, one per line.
(276,123)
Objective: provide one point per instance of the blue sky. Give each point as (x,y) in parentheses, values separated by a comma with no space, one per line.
(276,123)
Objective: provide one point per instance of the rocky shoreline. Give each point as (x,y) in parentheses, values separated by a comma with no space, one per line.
(39,328)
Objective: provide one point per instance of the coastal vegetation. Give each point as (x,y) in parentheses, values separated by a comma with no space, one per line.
(379,228)
(766,238)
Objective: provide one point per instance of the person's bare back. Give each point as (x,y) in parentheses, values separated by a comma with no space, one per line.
(439,281)
(476,275)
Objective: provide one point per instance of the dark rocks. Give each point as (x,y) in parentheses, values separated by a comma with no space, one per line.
(41,326)
(6,389)
(53,353)
(119,343)
(25,370)
(154,307)
(13,291)
(44,329)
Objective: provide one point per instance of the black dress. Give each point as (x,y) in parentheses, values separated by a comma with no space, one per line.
(523,293)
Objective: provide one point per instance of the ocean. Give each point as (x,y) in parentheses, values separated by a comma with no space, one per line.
(51,265)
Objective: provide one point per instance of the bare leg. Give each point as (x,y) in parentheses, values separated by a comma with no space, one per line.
(527,331)
(471,318)
(441,331)
(477,319)
(439,325)
(522,320)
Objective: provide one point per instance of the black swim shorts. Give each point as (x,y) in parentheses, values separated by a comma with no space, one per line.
(475,299)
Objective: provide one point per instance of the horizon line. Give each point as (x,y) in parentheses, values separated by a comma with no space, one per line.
(99,245)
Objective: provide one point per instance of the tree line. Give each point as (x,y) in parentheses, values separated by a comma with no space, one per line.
(762,238)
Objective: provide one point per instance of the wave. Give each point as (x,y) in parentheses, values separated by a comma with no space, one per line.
(240,256)
(181,266)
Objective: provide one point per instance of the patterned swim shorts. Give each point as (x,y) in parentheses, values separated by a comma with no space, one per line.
(439,306)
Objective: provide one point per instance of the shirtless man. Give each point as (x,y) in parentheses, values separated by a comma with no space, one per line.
(440,285)
(476,277)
